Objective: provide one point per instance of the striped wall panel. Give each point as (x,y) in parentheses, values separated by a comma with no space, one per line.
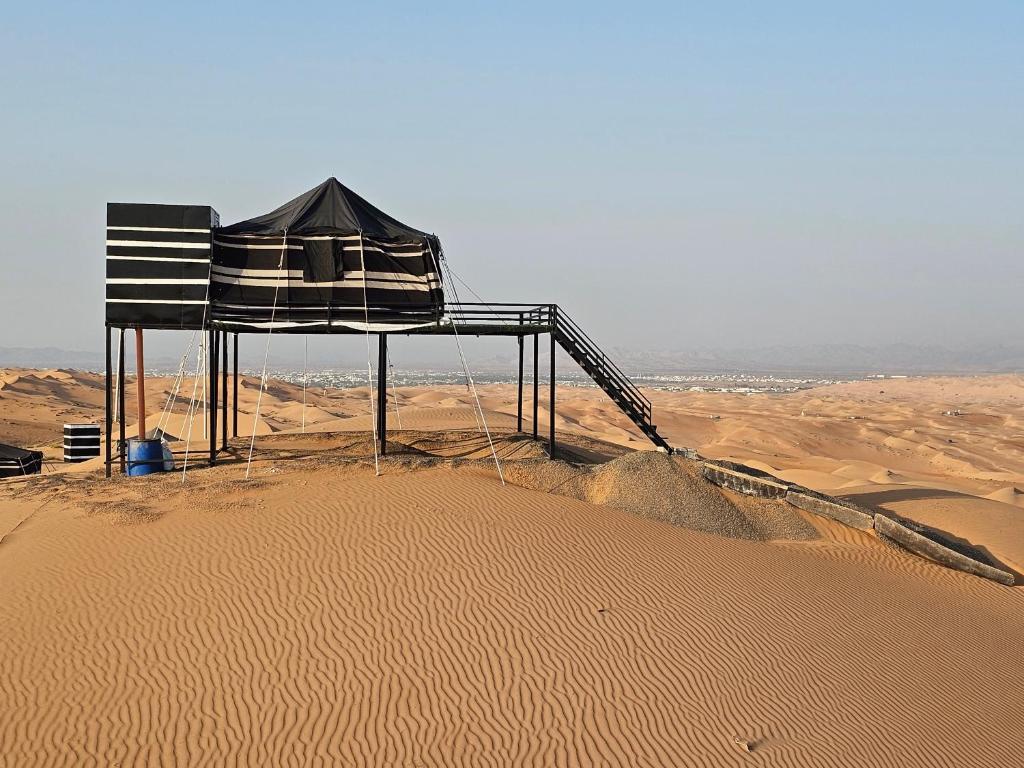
(158,264)
(81,442)
(384,282)
(27,465)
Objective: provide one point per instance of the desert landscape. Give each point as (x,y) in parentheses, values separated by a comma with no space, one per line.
(611,607)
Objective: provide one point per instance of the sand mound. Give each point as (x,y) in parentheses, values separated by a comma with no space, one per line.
(1008,495)
(672,490)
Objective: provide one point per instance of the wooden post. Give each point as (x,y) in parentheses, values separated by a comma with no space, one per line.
(224,390)
(122,443)
(536,353)
(109,414)
(551,397)
(140,382)
(382,392)
(234,400)
(519,399)
(212,404)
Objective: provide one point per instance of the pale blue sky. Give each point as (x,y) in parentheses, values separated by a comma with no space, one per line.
(714,174)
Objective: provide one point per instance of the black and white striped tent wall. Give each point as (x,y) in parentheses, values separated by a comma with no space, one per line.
(16,462)
(81,442)
(326,259)
(388,283)
(158,264)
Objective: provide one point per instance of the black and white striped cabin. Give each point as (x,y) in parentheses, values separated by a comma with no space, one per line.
(81,442)
(158,264)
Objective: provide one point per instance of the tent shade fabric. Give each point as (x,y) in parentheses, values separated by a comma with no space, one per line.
(326,257)
(323,261)
(15,462)
(158,264)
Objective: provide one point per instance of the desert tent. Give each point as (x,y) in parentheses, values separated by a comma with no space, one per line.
(15,462)
(326,259)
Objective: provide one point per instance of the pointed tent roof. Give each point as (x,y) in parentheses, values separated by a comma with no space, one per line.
(329,209)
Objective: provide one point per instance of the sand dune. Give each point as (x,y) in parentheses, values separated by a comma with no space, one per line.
(625,613)
(438,618)
(962,435)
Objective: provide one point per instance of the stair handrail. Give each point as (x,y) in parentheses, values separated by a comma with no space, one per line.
(571,330)
(580,332)
(603,369)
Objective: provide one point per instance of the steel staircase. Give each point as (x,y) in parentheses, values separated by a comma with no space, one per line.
(507,319)
(623,392)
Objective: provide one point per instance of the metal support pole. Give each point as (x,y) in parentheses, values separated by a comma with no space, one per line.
(234,400)
(212,405)
(109,414)
(519,400)
(382,392)
(140,382)
(122,443)
(224,390)
(536,353)
(551,398)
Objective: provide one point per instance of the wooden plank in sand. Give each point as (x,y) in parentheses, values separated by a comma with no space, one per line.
(850,516)
(925,547)
(742,483)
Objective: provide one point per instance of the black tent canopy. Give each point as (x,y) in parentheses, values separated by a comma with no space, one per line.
(15,462)
(327,258)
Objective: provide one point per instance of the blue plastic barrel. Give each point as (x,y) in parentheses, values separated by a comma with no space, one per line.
(145,457)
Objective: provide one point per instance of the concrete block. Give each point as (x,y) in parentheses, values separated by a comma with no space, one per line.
(928,548)
(847,515)
(743,483)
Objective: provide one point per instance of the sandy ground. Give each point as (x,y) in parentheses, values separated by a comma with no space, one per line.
(623,614)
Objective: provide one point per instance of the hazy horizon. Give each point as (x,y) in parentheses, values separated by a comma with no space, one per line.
(677,178)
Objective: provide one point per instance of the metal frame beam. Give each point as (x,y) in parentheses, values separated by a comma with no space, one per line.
(109,414)
(234,399)
(382,392)
(519,396)
(212,402)
(551,402)
(122,443)
(536,399)
(224,391)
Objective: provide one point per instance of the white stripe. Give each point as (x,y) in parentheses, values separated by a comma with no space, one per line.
(157,244)
(158,229)
(397,286)
(334,323)
(155,281)
(225,307)
(277,247)
(253,247)
(345,238)
(353,238)
(157,258)
(153,301)
(296,274)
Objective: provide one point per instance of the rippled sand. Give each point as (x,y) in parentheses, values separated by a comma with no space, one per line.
(431,616)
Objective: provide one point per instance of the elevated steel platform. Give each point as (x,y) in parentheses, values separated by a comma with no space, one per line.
(460,318)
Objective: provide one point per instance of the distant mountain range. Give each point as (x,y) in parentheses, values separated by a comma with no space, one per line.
(835,359)
(823,359)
